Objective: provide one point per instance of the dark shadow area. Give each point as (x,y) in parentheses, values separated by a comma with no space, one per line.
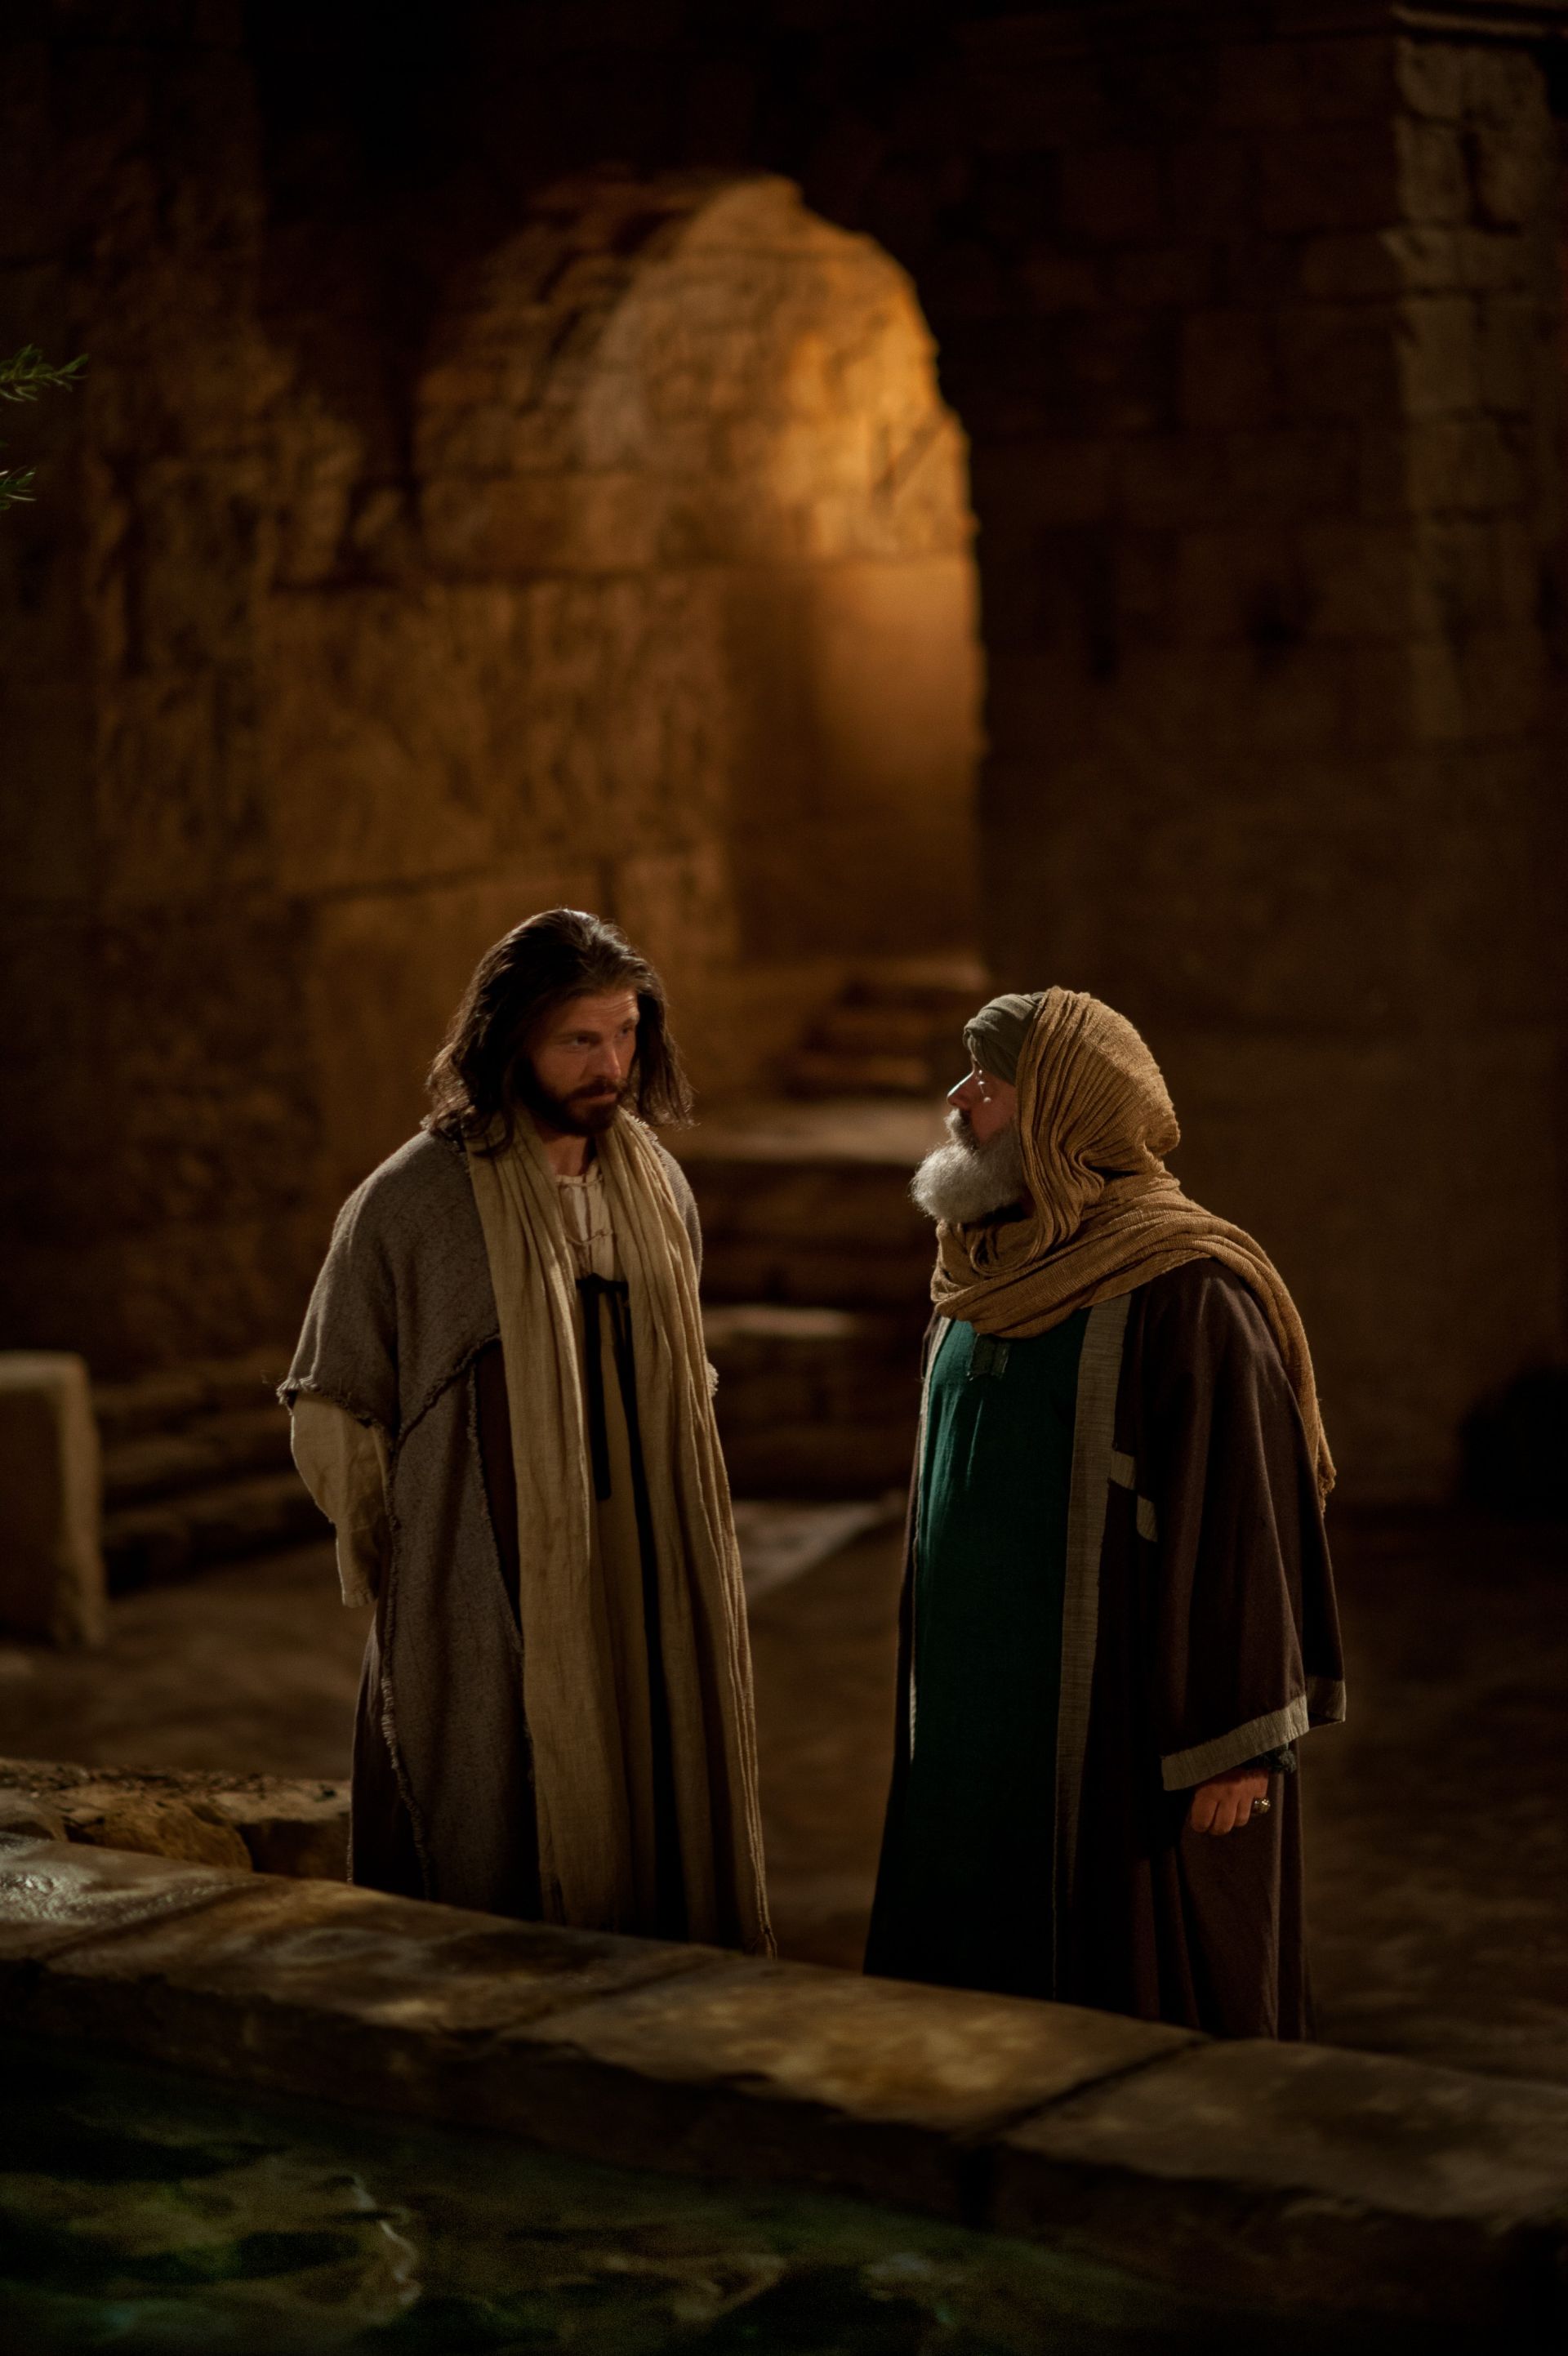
(1514,1446)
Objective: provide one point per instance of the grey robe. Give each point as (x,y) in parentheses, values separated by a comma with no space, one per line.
(401,1332)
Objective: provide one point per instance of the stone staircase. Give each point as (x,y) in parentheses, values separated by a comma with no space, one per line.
(197,1470)
(894,1031)
(812,1403)
(815,1280)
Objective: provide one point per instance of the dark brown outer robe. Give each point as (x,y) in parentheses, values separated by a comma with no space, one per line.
(1209,1635)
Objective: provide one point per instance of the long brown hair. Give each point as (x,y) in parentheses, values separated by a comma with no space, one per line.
(557,956)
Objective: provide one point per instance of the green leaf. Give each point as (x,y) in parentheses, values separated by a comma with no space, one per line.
(26,374)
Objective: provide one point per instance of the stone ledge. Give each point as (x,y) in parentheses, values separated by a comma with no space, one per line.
(278,1824)
(1300,2178)
(1312,2176)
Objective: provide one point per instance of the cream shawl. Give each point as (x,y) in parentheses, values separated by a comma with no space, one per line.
(1096,1120)
(584,1834)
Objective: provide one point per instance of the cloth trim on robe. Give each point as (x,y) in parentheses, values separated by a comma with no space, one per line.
(1124,1473)
(1099,1376)
(1326,1700)
(1183,1769)
(1323,1703)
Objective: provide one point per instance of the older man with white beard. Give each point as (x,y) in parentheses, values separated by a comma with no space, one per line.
(1119,1614)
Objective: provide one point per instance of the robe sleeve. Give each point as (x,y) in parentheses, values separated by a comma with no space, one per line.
(343,1463)
(348,1352)
(1246,1630)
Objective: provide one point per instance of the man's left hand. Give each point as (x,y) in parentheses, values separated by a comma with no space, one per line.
(1224,1804)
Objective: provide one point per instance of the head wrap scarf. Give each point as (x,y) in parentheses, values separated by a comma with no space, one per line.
(995,1037)
(1095,1121)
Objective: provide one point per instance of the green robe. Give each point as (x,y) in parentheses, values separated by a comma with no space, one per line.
(972,1857)
(1117,1586)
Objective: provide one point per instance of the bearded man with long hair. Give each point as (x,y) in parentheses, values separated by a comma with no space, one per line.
(501,1400)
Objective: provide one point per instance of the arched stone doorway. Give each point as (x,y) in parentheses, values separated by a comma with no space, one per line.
(682,627)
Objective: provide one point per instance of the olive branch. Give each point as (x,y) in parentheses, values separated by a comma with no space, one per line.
(23,378)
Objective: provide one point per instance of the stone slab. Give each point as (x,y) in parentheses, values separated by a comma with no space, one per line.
(1310,2175)
(792,2071)
(52,1561)
(309,1988)
(54,1896)
(356,1959)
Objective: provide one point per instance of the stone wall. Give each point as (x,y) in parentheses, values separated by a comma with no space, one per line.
(637,576)
(1270,556)
(162,1126)
(1252,329)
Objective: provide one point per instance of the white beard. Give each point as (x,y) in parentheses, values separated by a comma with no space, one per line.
(964,1181)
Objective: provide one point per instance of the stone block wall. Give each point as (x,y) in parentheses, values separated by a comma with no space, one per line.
(638,576)
(160,1120)
(1271,546)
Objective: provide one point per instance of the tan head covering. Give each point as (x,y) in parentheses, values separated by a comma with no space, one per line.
(1096,1122)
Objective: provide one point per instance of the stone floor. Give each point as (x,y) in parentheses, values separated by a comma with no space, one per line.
(1439,1846)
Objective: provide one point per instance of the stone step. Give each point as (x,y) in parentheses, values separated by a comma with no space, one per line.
(941,1007)
(834,1072)
(155,1544)
(886,1036)
(763,1271)
(208,1450)
(196,1469)
(857,1029)
(752,1341)
(170,1400)
(814,1402)
(821,1460)
(841,1234)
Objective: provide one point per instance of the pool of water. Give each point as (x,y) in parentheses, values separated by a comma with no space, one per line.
(142,2212)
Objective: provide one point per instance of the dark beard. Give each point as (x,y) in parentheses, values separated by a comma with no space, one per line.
(964,1181)
(587,1113)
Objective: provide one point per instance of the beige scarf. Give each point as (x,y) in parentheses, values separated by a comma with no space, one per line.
(587,1870)
(1095,1121)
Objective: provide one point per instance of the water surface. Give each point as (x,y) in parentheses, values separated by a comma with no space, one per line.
(142,2212)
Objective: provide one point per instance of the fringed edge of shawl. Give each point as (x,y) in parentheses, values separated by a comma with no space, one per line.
(306,1387)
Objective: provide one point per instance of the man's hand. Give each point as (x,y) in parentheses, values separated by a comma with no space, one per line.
(1225,1802)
